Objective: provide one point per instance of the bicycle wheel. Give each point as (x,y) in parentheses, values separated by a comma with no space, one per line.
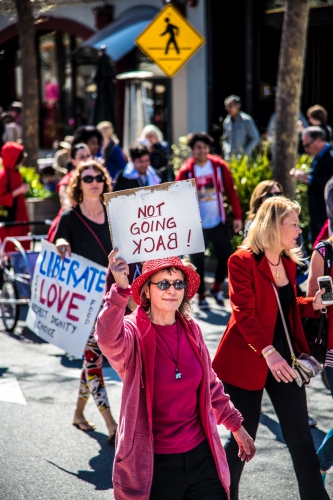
(9,312)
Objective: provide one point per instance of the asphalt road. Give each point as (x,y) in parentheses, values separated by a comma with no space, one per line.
(42,456)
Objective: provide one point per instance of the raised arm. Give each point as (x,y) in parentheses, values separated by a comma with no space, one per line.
(114,336)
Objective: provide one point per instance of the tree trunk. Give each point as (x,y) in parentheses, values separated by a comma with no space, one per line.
(30,100)
(289,84)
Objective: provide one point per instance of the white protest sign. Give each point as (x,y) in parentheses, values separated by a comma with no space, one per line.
(155,222)
(66,296)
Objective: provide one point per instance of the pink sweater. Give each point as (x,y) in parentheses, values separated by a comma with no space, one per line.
(129,343)
(176,423)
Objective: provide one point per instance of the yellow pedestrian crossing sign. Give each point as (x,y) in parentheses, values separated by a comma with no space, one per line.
(170,40)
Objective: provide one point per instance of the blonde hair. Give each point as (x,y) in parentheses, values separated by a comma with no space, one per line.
(107,128)
(258,196)
(264,232)
(151,129)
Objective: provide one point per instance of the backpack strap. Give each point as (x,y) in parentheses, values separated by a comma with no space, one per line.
(327,272)
(328,258)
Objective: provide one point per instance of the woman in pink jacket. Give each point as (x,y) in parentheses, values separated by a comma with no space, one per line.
(167,443)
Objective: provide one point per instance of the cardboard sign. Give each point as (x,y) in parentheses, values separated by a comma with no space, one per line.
(66,296)
(155,222)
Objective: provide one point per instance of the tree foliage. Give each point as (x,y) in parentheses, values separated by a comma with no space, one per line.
(26,12)
(8,7)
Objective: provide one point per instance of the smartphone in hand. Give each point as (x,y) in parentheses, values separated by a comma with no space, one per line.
(326,282)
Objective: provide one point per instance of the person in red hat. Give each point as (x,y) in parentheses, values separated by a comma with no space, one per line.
(12,190)
(167,443)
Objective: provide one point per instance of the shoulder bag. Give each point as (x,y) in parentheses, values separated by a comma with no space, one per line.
(315,329)
(305,366)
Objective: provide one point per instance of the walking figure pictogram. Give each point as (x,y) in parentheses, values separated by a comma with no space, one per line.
(173,31)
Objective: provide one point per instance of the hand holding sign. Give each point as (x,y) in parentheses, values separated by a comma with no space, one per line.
(119,269)
(63,246)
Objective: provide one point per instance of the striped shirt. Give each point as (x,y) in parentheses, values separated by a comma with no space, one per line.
(329,358)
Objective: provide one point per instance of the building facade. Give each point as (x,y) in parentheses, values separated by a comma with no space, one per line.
(66,85)
(240,57)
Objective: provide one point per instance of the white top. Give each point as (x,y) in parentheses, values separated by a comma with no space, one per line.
(207,196)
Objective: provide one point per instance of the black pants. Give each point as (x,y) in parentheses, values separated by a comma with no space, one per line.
(219,236)
(187,476)
(289,402)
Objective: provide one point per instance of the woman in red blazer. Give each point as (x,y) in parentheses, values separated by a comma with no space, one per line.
(253,354)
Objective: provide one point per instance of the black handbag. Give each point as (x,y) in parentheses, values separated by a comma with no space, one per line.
(7,214)
(315,329)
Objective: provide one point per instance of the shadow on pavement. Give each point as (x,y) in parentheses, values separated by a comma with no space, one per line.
(274,427)
(25,336)
(68,361)
(100,474)
(213,318)
(3,371)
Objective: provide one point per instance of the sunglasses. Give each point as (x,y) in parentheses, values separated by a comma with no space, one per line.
(88,179)
(270,195)
(165,284)
(309,143)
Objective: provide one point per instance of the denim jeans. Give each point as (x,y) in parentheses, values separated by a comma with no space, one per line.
(325,452)
(329,376)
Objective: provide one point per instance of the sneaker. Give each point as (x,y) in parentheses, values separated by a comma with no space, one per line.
(312,422)
(219,297)
(203,304)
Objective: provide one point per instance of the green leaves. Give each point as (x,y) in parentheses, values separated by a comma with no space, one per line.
(247,172)
(30,176)
(301,195)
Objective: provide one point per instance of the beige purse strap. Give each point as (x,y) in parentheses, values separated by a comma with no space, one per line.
(284,323)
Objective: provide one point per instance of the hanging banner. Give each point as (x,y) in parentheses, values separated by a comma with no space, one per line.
(66,296)
(155,222)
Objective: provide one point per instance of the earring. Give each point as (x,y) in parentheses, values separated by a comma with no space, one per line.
(80,196)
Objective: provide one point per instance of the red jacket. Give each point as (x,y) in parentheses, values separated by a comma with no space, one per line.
(323,235)
(238,360)
(129,344)
(11,179)
(227,187)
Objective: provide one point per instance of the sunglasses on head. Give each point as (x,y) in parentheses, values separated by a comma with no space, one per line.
(165,284)
(270,195)
(88,179)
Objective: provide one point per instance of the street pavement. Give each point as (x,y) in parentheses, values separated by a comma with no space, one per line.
(42,456)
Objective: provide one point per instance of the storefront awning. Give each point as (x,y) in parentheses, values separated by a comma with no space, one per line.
(118,37)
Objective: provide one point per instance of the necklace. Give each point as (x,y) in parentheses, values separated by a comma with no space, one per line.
(178,374)
(276,275)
